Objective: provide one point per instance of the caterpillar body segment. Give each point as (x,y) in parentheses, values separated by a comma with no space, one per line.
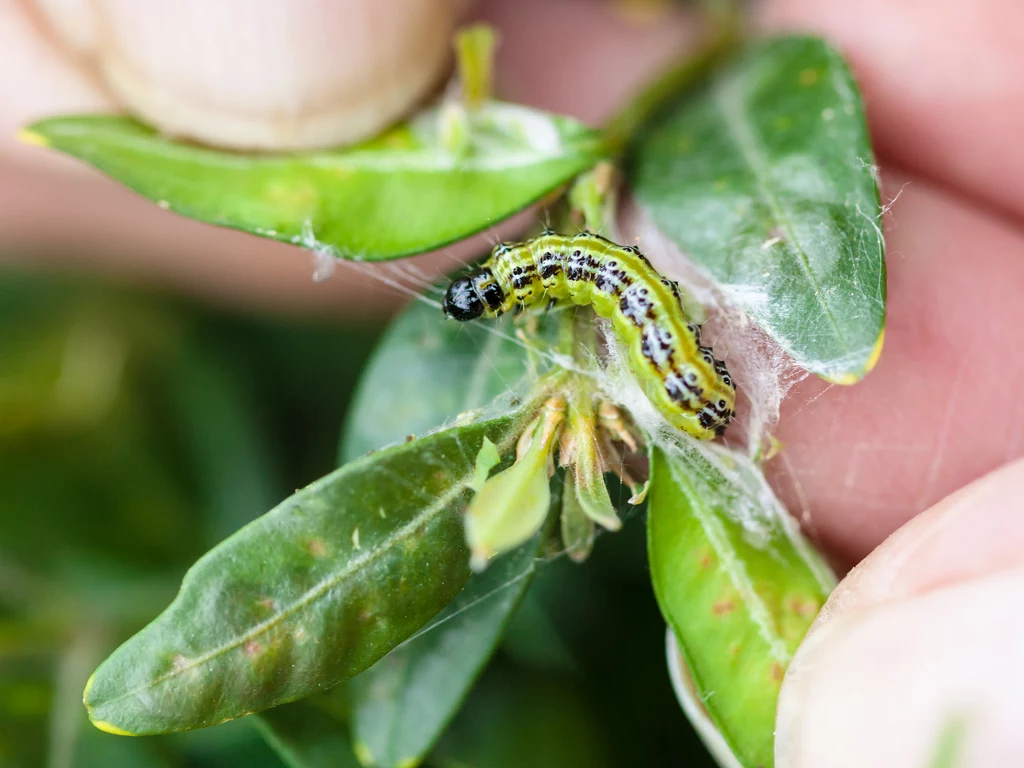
(682,378)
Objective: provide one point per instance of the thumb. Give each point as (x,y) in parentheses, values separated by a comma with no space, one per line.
(917,657)
(261,74)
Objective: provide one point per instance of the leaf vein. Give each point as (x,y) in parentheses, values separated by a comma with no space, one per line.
(736,119)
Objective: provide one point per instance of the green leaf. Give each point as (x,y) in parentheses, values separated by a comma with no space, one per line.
(403,703)
(590,489)
(234,467)
(514,503)
(307,735)
(948,752)
(486,460)
(307,595)
(517,718)
(765,177)
(427,370)
(694,707)
(736,582)
(532,640)
(398,194)
(577,526)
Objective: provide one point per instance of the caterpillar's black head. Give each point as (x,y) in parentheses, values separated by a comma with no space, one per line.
(461,300)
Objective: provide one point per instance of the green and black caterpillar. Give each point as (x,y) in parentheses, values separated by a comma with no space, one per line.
(692,389)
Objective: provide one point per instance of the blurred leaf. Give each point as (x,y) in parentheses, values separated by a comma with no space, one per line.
(693,705)
(41,717)
(948,751)
(299,383)
(88,371)
(66,717)
(95,748)
(474,49)
(230,457)
(402,704)
(532,640)
(427,370)
(238,742)
(26,694)
(398,194)
(766,178)
(305,735)
(306,596)
(607,620)
(736,582)
(517,718)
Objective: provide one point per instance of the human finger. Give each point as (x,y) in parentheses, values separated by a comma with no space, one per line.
(248,74)
(913,654)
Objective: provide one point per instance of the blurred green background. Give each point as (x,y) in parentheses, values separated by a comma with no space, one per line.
(139,429)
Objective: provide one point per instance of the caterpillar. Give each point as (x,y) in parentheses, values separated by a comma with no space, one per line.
(681,378)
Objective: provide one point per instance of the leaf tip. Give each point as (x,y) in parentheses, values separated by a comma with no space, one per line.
(32,138)
(848,378)
(106,727)
(85,693)
(478,560)
(103,725)
(876,353)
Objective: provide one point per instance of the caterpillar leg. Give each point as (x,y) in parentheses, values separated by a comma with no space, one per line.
(559,304)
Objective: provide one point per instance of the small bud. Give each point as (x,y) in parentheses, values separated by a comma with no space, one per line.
(593,196)
(577,528)
(639,494)
(511,507)
(455,129)
(474,50)
(591,491)
(486,460)
(526,439)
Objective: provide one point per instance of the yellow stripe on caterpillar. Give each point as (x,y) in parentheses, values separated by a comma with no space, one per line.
(682,378)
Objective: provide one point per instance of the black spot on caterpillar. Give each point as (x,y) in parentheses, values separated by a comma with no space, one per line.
(682,379)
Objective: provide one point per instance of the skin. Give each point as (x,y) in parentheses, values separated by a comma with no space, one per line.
(919,633)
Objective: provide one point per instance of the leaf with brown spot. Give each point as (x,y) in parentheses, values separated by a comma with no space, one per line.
(216,654)
(732,617)
(403,703)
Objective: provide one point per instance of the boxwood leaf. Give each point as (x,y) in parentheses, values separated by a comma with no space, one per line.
(519,717)
(737,584)
(577,529)
(307,735)
(306,596)
(398,194)
(765,177)
(403,703)
(427,370)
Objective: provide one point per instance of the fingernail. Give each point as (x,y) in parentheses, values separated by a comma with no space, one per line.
(910,683)
(268,75)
